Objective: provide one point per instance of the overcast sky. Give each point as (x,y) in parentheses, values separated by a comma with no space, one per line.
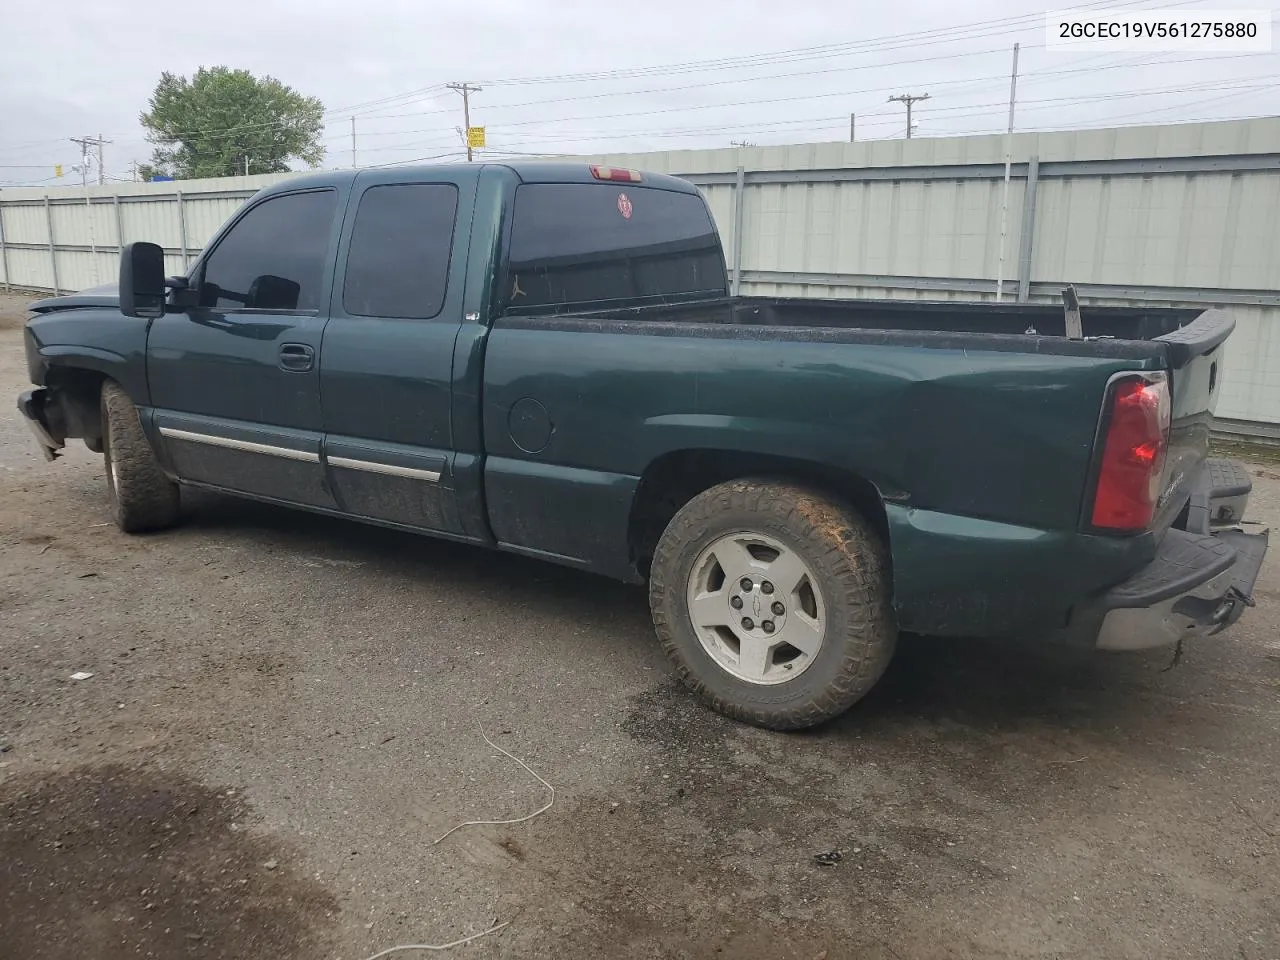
(80,67)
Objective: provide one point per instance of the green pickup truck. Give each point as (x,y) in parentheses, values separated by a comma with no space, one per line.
(544,358)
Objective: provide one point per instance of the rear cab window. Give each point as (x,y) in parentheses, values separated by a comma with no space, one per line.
(577,246)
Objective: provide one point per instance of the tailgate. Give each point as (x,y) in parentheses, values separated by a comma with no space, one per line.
(1194,355)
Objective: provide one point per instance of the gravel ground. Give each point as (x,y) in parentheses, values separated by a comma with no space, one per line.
(286,712)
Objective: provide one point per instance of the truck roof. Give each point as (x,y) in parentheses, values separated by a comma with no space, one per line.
(567,171)
(528,171)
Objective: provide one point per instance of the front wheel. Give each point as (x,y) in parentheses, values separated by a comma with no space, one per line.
(773,602)
(142,497)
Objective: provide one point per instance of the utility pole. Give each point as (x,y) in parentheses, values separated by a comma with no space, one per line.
(466,89)
(907,99)
(102,167)
(353,143)
(85,143)
(133,171)
(1008,165)
(852,117)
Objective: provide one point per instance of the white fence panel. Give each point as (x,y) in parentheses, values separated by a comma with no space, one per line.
(1251,371)
(153,220)
(25,224)
(31,267)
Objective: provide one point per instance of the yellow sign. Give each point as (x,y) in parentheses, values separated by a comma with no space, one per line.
(57,169)
(475,137)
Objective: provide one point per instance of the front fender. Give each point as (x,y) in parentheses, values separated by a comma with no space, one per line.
(102,341)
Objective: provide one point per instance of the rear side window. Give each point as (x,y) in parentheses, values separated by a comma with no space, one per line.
(398,264)
(579,244)
(273,257)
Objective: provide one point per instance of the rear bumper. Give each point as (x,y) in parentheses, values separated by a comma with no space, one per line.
(32,407)
(1197,586)
(1201,579)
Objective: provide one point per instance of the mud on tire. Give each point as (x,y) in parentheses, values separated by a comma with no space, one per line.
(844,600)
(142,498)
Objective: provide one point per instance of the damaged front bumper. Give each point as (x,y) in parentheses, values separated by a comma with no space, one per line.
(33,406)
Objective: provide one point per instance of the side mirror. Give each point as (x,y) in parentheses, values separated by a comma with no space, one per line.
(142,286)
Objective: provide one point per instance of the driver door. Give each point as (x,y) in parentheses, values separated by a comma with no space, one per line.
(234,380)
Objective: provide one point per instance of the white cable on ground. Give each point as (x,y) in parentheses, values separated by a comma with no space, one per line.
(477,823)
(440,946)
(480,823)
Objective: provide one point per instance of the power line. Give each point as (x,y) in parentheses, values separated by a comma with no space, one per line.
(688,108)
(890,42)
(439,156)
(983,81)
(885,118)
(823,51)
(925,40)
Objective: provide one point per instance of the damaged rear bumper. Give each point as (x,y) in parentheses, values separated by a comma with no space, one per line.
(1200,581)
(1197,586)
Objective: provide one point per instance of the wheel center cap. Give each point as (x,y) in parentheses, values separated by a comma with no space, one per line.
(755,605)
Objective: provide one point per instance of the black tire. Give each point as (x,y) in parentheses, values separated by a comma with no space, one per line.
(142,498)
(846,557)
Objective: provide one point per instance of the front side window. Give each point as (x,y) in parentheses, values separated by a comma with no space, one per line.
(398,264)
(273,257)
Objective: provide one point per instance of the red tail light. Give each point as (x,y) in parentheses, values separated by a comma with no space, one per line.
(1137,437)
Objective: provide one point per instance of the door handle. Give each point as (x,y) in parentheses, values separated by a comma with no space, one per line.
(297,356)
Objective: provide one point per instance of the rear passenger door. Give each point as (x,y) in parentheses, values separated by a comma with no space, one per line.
(387,359)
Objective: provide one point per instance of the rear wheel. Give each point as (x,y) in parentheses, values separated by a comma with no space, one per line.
(141,496)
(773,602)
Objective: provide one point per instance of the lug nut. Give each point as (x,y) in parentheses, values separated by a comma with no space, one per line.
(747,624)
(766,587)
(778,609)
(768,626)
(746,584)
(735,602)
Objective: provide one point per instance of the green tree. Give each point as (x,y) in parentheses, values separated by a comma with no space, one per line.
(209,125)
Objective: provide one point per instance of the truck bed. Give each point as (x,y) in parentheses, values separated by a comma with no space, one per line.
(1126,332)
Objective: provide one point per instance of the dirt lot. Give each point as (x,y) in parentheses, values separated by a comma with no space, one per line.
(285,713)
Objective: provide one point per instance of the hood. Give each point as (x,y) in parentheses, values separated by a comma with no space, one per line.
(106,295)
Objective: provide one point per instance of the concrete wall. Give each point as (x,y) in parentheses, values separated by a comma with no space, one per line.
(1180,214)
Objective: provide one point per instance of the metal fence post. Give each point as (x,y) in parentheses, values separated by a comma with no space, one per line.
(53,253)
(4,253)
(1026,242)
(93,239)
(119,224)
(739,185)
(182,232)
